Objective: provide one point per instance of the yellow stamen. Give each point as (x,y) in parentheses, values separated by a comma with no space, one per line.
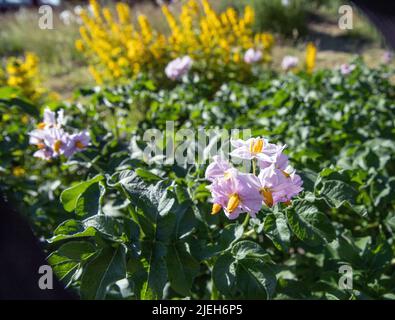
(41,125)
(57,145)
(233,202)
(256,146)
(79,145)
(267,196)
(216,208)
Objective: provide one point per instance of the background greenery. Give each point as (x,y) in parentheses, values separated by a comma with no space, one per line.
(126,230)
(115,227)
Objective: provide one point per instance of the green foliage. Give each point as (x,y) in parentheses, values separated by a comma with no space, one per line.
(276,16)
(129,230)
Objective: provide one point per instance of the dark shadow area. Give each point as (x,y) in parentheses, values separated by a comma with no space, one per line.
(20,259)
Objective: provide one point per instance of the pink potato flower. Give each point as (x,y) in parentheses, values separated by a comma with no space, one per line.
(256,148)
(56,140)
(289,62)
(280,161)
(52,120)
(38,138)
(179,67)
(217,169)
(252,56)
(236,194)
(346,69)
(277,185)
(77,142)
(51,139)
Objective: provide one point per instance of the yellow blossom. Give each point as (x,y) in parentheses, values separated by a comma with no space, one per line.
(117,49)
(23,73)
(18,171)
(311,53)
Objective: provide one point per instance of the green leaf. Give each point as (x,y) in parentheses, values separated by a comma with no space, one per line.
(152,199)
(89,202)
(147,175)
(182,267)
(390,221)
(310,225)
(71,229)
(338,192)
(117,229)
(108,267)
(229,235)
(248,249)
(276,228)
(67,259)
(245,272)
(156,274)
(255,279)
(161,219)
(224,274)
(70,196)
(76,250)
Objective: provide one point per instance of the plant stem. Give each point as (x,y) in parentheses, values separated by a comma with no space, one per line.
(94,165)
(246,220)
(249,233)
(115,123)
(214,292)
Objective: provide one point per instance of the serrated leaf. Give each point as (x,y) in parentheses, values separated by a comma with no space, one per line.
(310,225)
(248,249)
(338,192)
(107,268)
(276,228)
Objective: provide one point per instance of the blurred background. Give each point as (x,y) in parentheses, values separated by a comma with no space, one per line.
(293,22)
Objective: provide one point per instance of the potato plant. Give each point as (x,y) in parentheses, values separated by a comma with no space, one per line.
(119,227)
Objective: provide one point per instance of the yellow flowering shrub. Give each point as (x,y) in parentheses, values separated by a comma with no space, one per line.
(311,54)
(118,49)
(23,73)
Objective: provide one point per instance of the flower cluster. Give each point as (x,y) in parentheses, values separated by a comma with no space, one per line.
(236,192)
(225,42)
(118,49)
(289,63)
(346,69)
(179,67)
(23,73)
(51,139)
(252,56)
